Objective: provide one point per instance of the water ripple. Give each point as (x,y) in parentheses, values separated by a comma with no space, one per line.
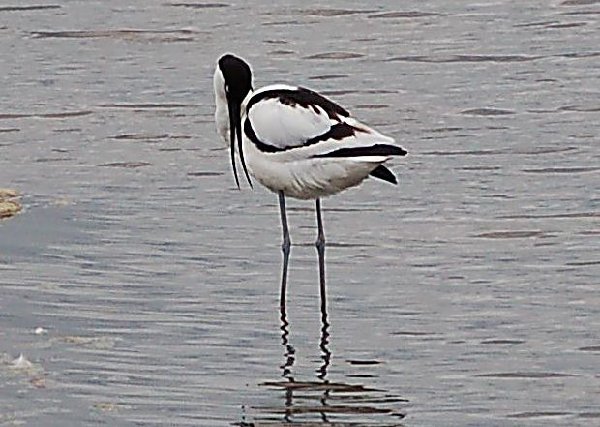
(335,55)
(333,12)
(465,58)
(400,14)
(200,5)
(26,8)
(163,36)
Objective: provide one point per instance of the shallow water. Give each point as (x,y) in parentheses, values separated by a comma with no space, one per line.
(467,295)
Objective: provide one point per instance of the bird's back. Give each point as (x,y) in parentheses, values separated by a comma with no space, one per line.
(300,142)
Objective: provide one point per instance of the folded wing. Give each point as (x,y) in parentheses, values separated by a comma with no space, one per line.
(321,146)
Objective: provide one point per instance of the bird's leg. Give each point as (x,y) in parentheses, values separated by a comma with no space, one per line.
(285,247)
(320,244)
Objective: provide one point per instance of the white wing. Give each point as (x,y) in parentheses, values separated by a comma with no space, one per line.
(283,126)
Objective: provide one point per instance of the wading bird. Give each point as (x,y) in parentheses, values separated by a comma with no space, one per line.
(296,143)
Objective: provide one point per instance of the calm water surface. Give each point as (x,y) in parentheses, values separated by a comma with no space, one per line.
(466,296)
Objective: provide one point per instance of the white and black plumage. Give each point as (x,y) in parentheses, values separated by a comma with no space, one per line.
(296,143)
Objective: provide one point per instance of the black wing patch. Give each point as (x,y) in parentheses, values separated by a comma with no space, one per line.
(373,150)
(338,132)
(303,97)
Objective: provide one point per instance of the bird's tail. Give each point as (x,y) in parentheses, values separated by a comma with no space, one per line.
(383,173)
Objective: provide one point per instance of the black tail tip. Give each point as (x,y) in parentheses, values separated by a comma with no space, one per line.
(383,173)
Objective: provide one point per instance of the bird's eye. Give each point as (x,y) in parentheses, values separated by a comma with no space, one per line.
(227,88)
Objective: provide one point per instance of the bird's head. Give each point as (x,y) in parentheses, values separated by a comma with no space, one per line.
(233,82)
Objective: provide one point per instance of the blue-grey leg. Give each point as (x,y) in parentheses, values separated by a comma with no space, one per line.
(320,244)
(285,247)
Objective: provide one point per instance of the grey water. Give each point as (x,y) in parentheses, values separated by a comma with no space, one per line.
(143,287)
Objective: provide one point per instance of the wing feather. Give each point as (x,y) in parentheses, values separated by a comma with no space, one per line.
(284,126)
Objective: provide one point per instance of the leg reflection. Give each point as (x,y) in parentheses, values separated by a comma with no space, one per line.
(326,358)
(290,352)
(289,357)
(324,346)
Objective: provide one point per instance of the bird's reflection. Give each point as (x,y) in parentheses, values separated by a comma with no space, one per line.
(289,359)
(322,401)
